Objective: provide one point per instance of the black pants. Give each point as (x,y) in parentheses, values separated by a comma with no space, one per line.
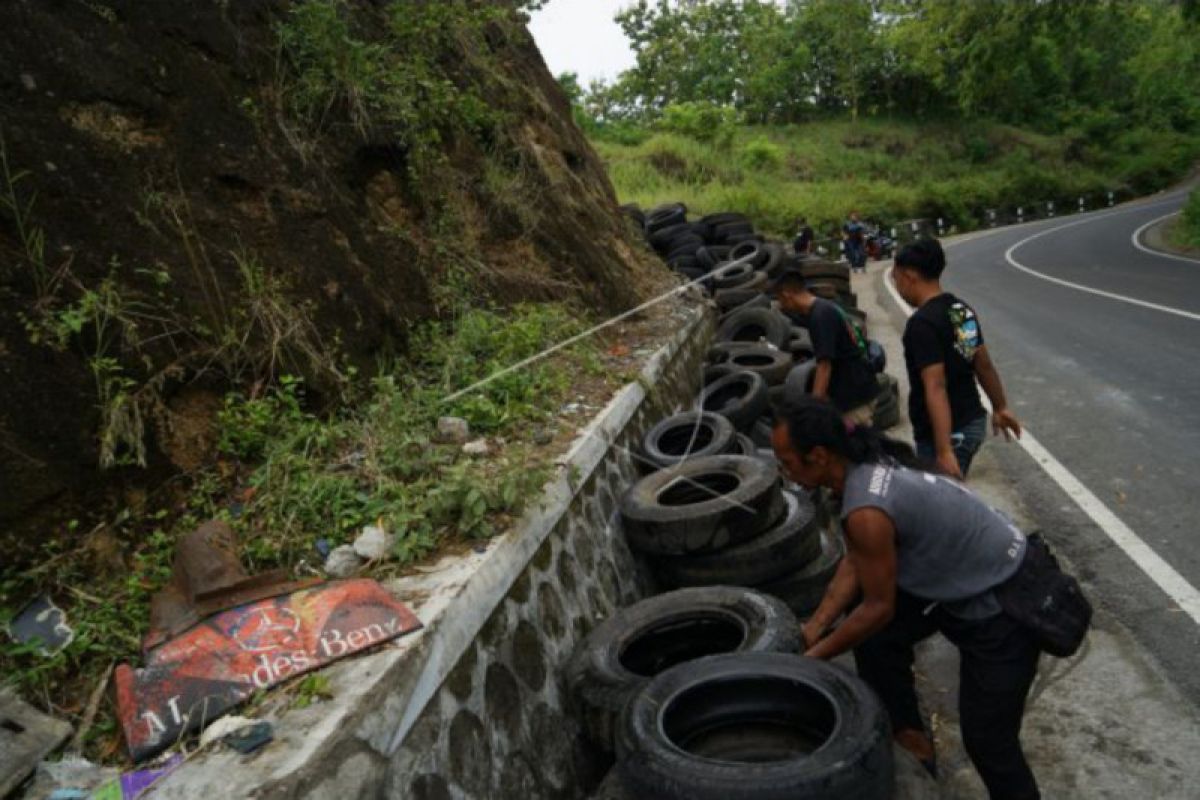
(998,663)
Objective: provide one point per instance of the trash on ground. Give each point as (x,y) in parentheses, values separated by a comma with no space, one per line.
(26,737)
(343,562)
(247,740)
(42,623)
(223,727)
(195,678)
(207,578)
(132,785)
(71,774)
(453,430)
(479,447)
(373,543)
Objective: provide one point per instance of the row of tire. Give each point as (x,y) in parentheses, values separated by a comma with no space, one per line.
(699,692)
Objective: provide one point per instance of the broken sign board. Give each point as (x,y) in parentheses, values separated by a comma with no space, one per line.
(191,680)
(43,623)
(26,737)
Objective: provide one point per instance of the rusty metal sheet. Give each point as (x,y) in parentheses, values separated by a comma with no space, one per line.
(191,680)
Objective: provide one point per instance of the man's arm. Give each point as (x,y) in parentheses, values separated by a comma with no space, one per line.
(821,377)
(840,593)
(1003,420)
(872,549)
(937,402)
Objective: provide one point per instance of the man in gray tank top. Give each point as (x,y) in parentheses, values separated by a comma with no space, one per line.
(950,546)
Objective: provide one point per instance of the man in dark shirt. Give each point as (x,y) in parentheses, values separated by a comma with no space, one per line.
(804,238)
(856,246)
(843,374)
(945,354)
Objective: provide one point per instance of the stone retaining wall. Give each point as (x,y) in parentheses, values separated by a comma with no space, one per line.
(473,706)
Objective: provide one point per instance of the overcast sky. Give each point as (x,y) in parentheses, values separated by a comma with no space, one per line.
(580,36)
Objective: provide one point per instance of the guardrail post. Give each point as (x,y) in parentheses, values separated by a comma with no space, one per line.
(940,226)
(991,217)
(1081,205)
(1110,198)
(1050,208)
(1020,215)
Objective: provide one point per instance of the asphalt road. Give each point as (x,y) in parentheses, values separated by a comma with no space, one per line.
(1111,388)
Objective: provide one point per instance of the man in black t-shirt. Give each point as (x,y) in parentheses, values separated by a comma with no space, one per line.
(945,354)
(843,374)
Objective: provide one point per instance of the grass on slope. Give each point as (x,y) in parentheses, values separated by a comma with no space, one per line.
(1186,230)
(888,170)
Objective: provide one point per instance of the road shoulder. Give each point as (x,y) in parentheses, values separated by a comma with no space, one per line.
(1108,723)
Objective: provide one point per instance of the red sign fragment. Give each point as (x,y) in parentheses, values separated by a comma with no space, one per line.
(191,680)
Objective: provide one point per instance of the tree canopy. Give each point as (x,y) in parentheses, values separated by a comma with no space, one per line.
(1049,64)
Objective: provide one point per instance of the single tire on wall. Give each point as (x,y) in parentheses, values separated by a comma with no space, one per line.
(623,653)
(701,505)
(755,726)
(789,545)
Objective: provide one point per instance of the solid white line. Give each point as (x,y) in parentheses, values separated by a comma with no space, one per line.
(1137,241)
(1174,585)
(1008,256)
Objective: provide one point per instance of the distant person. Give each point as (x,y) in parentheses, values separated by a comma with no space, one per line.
(803,243)
(843,375)
(855,236)
(945,355)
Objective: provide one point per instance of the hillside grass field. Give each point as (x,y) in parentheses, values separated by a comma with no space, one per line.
(887,170)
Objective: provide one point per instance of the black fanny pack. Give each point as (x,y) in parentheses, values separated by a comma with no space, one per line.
(1047,601)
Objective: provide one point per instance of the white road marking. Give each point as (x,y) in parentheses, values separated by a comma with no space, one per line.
(1137,241)
(1008,256)
(1174,585)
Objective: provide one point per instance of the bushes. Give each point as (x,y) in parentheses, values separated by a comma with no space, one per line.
(890,171)
(704,122)
(1187,230)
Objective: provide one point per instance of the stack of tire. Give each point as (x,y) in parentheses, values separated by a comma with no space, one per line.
(713,511)
(700,695)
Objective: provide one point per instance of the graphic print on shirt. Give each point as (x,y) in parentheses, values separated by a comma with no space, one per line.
(966,330)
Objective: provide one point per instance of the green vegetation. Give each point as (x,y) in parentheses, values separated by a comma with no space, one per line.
(1186,231)
(398,79)
(899,108)
(288,477)
(887,170)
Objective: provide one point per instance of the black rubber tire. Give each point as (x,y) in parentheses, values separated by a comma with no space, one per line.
(727,299)
(802,335)
(791,542)
(755,726)
(685,246)
(759,282)
(723,218)
(691,273)
(710,255)
(755,324)
(692,434)
(819,269)
(804,589)
(662,238)
(758,301)
(777,260)
(744,446)
(760,432)
(721,352)
(799,381)
(651,635)
(701,505)
(722,231)
(753,252)
(634,212)
(664,216)
(714,372)
(740,397)
(685,262)
(732,276)
(738,238)
(773,365)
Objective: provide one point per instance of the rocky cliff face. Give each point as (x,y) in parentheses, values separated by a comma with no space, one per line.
(183,210)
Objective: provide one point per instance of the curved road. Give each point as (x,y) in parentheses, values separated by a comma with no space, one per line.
(1098,343)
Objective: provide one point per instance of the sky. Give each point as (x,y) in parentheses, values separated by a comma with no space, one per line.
(580,36)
